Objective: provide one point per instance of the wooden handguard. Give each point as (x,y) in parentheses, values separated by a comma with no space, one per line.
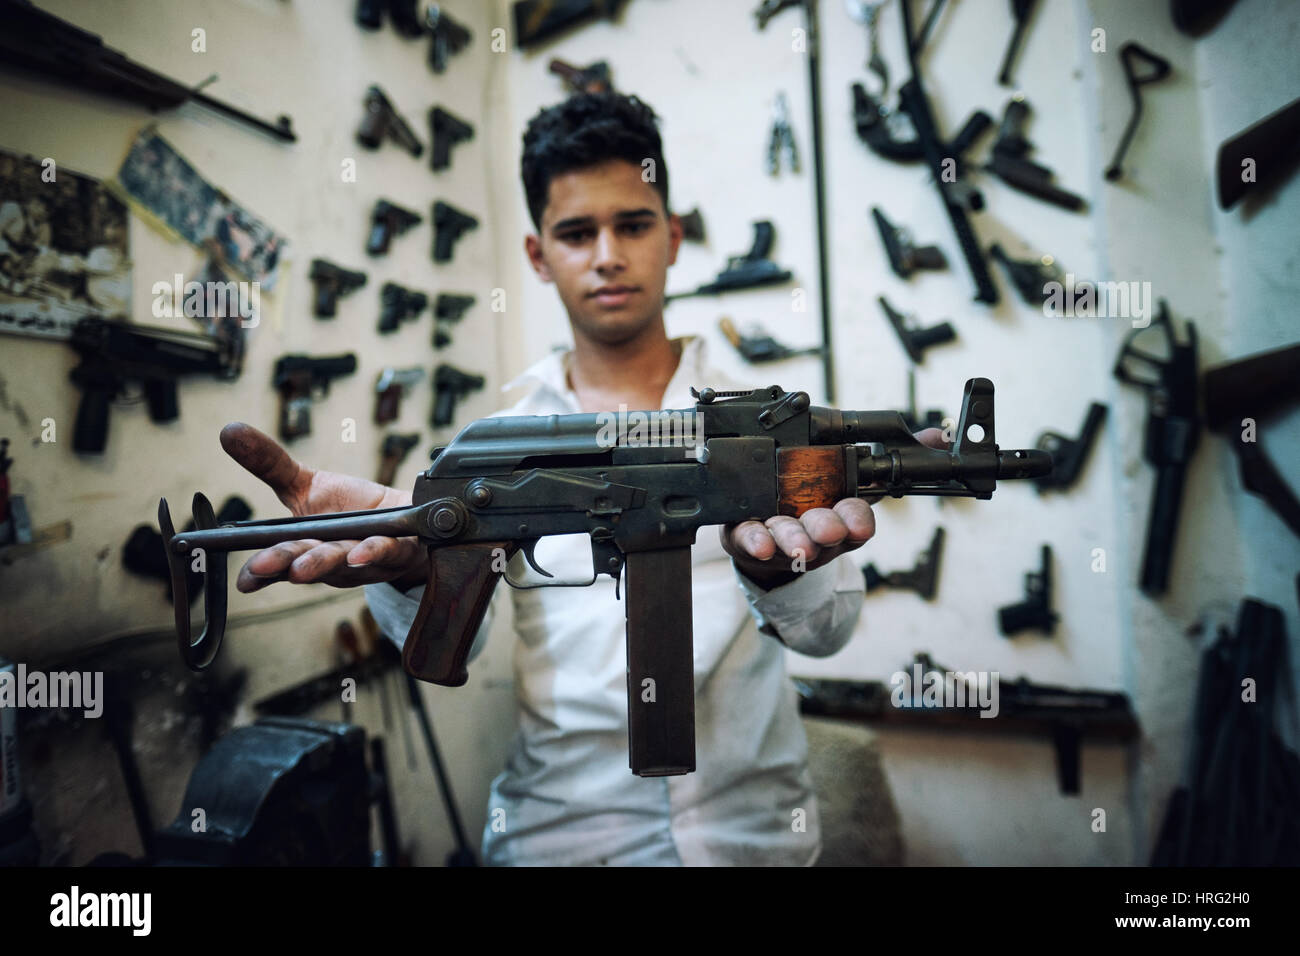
(810,476)
(461,582)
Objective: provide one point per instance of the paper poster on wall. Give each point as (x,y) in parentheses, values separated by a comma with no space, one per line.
(171,193)
(63,248)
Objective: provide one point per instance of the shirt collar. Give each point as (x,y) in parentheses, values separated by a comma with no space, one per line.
(551,372)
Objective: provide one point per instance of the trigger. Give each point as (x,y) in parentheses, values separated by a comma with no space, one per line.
(528,547)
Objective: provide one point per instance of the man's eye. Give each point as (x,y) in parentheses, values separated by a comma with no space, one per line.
(635,228)
(576,235)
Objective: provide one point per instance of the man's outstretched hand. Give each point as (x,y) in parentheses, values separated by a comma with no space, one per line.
(765,551)
(304,491)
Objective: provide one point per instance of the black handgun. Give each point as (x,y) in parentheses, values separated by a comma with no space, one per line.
(387,220)
(394,450)
(114,354)
(905,257)
(538,20)
(447,130)
(1069,454)
(748,271)
(1035,611)
(759,347)
(331,282)
(1173,430)
(450,385)
(299,379)
(447,311)
(448,225)
(592,79)
(923,578)
(916,340)
(1031,277)
(382,121)
(399,304)
(446,37)
(1009,161)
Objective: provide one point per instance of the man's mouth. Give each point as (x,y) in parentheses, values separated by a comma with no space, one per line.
(614,294)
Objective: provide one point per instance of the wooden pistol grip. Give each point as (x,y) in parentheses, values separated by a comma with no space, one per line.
(811,476)
(461,582)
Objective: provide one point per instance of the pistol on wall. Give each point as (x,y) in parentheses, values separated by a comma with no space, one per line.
(758,347)
(446,37)
(504,483)
(923,578)
(1035,611)
(536,21)
(392,453)
(449,224)
(387,221)
(389,390)
(578,79)
(448,309)
(382,122)
(1010,161)
(905,257)
(1069,454)
(398,304)
(447,130)
(748,271)
(331,282)
(915,340)
(300,379)
(450,385)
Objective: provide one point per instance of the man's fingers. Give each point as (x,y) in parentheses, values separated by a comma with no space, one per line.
(858,518)
(754,539)
(261,455)
(932,438)
(270,565)
(791,535)
(380,552)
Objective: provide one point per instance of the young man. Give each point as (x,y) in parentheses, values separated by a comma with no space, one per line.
(605,239)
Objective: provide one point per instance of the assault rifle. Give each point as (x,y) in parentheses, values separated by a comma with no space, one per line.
(502,484)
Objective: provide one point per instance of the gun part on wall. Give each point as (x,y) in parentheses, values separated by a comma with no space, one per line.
(1065,715)
(1021,11)
(1171,435)
(583,79)
(536,21)
(1157,68)
(447,37)
(781,139)
(1269,149)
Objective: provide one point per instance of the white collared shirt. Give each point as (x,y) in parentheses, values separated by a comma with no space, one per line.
(567,793)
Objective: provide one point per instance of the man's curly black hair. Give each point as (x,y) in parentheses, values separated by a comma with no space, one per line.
(584,130)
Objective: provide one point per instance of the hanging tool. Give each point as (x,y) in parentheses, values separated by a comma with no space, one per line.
(1020,12)
(867,13)
(782,139)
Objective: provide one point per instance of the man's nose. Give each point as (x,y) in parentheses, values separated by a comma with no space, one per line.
(608,251)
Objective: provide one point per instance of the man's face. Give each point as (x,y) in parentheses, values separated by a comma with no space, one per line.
(606,242)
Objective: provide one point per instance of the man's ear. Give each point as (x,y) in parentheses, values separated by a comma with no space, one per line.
(675,233)
(533,248)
